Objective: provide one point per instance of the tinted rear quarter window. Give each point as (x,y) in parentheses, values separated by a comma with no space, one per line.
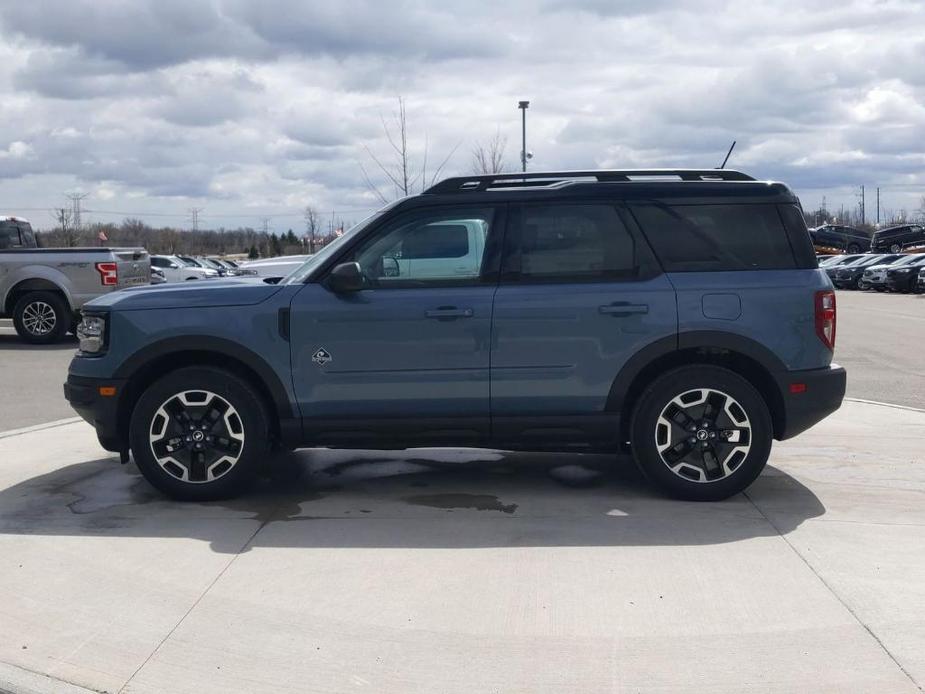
(703,238)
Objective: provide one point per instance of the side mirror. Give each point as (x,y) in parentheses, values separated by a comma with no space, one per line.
(346,278)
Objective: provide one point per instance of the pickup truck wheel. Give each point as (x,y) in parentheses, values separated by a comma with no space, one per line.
(701,433)
(41,317)
(854,248)
(199,434)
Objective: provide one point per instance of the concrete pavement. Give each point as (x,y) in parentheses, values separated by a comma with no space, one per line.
(469,571)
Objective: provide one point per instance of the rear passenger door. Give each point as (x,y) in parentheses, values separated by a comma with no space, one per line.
(580,293)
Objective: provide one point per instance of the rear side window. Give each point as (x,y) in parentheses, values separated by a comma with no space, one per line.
(9,236)
(692,238)
(561,243)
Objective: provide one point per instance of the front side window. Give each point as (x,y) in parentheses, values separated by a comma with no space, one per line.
(580,242)
(427,247)
(692,238)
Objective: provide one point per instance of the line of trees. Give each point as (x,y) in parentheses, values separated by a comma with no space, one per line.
(171,240)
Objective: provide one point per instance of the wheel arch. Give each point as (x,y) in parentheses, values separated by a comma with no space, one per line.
(32,284)
(159,358)
(751,360)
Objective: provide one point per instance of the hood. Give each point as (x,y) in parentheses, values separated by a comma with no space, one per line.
(231,291)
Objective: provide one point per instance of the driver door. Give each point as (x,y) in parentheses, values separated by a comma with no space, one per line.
(407,357)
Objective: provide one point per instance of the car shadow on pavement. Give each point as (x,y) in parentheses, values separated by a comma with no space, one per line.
(462,498)
(15,343)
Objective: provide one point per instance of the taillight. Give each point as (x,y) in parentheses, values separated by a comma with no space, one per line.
(825,318)
(109,274)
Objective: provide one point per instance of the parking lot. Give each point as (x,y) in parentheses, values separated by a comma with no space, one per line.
(468,571)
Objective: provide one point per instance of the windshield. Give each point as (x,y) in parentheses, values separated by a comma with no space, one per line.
(301,273)
(863,262)
(909,260)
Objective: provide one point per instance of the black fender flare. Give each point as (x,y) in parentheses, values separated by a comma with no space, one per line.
(216,345)
(691,340)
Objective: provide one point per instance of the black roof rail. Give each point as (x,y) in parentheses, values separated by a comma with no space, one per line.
(545,179)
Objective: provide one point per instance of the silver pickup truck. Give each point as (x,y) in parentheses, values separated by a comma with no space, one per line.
(43,289)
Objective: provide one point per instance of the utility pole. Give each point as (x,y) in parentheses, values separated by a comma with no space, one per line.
(75,199)
(194,217)
(861,203)
(523,106)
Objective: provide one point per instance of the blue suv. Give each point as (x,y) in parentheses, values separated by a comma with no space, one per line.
(676,315)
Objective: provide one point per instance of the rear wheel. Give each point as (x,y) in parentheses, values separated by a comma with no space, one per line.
(701,433)
(895,248)
(200,433)
(853,248)
(41,317)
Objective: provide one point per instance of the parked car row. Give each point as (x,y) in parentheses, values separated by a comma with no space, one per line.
(894,239)
(895,272)
(181,268)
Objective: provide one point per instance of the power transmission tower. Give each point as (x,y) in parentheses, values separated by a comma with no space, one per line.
(194,217)
(861,204)
(878,205)
(75,199)
(265,221)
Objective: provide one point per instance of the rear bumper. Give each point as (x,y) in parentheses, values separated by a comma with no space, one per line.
(821,392)
(102,412)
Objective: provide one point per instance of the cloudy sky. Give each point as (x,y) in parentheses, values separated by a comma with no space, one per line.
(251,109)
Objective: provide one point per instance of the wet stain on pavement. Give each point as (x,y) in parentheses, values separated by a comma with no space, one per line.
(479,502)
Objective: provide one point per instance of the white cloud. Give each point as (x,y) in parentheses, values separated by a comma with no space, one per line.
(250,109)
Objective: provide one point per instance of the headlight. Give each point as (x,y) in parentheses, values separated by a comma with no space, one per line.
(91,333)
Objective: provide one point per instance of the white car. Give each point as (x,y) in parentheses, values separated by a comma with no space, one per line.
(273,267)
(175,270)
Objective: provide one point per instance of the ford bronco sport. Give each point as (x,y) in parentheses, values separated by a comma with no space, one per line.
(676,315)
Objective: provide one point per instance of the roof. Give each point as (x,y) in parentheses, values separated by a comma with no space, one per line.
(557,179)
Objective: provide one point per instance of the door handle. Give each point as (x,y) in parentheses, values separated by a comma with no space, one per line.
(619,309)
(449,312)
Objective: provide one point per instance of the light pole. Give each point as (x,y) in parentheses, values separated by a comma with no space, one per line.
(523,106)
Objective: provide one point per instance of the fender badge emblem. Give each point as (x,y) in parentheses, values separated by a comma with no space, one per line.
(321,357)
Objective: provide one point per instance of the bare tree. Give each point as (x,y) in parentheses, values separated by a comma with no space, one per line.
(311,226)
(488,158)
(401,169)
(69,234)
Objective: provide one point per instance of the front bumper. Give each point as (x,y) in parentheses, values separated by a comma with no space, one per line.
(820,393)
(101,411)
(901,283)
(846,281)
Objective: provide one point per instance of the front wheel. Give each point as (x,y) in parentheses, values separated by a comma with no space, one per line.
(701,433)
(895,248)
(853,248)
(200,433)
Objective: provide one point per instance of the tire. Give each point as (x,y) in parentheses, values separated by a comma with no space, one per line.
(863,286)
(41,318)
(853,248)
(895,248)
(683,395)
(181,408)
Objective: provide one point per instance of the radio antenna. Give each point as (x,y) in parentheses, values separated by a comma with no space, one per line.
(731,147)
